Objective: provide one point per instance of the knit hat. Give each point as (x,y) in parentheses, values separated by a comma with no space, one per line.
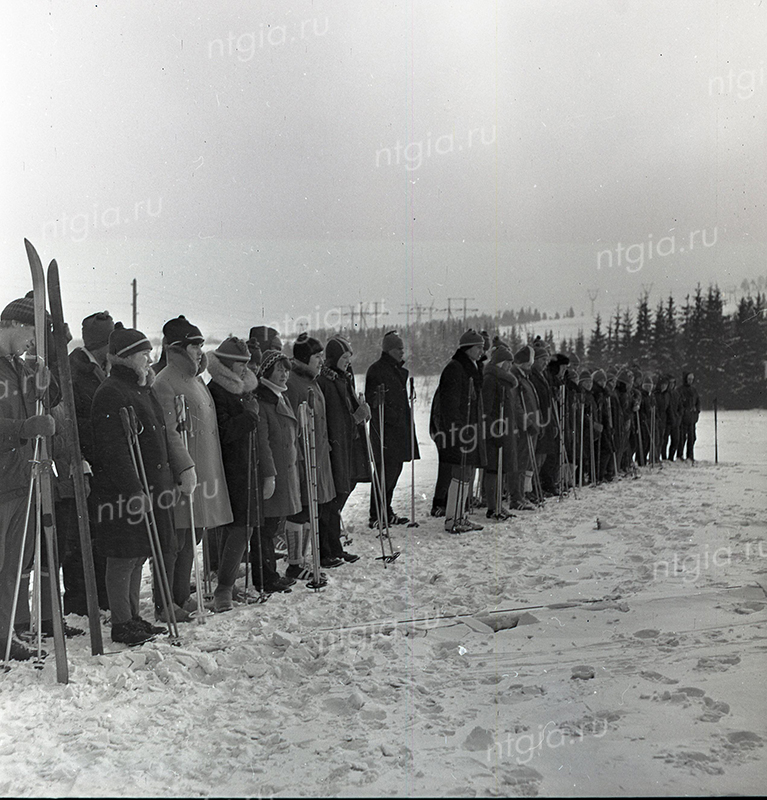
(485,340)
(124,342)
(335,348)
(392,341)
(266,337)
(574,360)
(96,330)
(233,349)
(305,347)
(585,377)
(599,377)
(524,356)
(21,310)
(181,332)
(540,349)
(470,339)
(269,362)
(501,353)
(624,376)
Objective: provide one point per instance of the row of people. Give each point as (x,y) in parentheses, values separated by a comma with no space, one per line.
(536,423)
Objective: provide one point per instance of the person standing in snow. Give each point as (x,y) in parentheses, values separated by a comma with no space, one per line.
(232,386)
(307,363)
(282,431)
(690,403)
(182,376)
(119,496)
(388,377)
(346,416)
(456,426)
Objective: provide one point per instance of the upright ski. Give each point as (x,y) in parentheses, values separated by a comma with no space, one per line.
(81,502)
(43,474)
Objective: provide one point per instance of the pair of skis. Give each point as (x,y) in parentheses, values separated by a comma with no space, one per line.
(40,496)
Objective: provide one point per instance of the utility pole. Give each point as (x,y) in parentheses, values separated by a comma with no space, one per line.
(449,308)
(596,294)
(135,307)
(383,312)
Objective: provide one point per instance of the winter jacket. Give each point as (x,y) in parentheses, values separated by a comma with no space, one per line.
(547,440)
(346,432)
(235,424)
(211,498)
(300,382)
(122,534)
(17,403)
(282,431)
(457,414)
(398,426)
(500,430)
(689,400)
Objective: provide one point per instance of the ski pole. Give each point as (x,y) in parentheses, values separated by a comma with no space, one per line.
(640,447)
(384,489)
(499,470)
(131,428)
(376,490)
(262,594)
(306,417)
(248,510)
(716,433)
(183,426)
(592,465)
(582,405)
(413,523)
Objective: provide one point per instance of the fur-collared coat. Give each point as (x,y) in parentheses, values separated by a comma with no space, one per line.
(211,497)
(282,431)
(300,382)
(122,534)
(235,423)
(501,416)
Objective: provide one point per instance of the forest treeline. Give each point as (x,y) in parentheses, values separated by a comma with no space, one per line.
(727,352)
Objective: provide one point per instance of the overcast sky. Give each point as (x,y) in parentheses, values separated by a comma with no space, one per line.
(256,163)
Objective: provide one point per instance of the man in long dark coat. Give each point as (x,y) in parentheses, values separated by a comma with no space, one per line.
(386,385)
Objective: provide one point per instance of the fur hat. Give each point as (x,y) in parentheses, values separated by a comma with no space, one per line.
(305,347)
(267,338)
(501,353)
(524,355)
(96,330)
(233,349)
(181,332)
(540,349)
(599,377)
(124,342)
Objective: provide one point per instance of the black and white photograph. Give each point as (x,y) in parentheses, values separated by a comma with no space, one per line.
(383,398)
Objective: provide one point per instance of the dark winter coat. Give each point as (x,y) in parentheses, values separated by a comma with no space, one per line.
(457,414)
(398,426)
(300,382)
(17,403)
(547,440)
(87,376)
(346,432)
(235,424)
(122,534)
(689,401)
(282,431)
(500,429)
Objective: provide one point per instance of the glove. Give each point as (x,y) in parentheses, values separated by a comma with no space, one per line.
(268,489)
(138,505)
(41,425)
(362,414)
(250,404)
(188,480)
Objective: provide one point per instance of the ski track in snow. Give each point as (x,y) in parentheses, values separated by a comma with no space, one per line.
(631,663)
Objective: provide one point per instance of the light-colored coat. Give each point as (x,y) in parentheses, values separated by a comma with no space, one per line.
(211,498)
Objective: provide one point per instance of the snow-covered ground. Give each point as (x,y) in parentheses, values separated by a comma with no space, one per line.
(635,666)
